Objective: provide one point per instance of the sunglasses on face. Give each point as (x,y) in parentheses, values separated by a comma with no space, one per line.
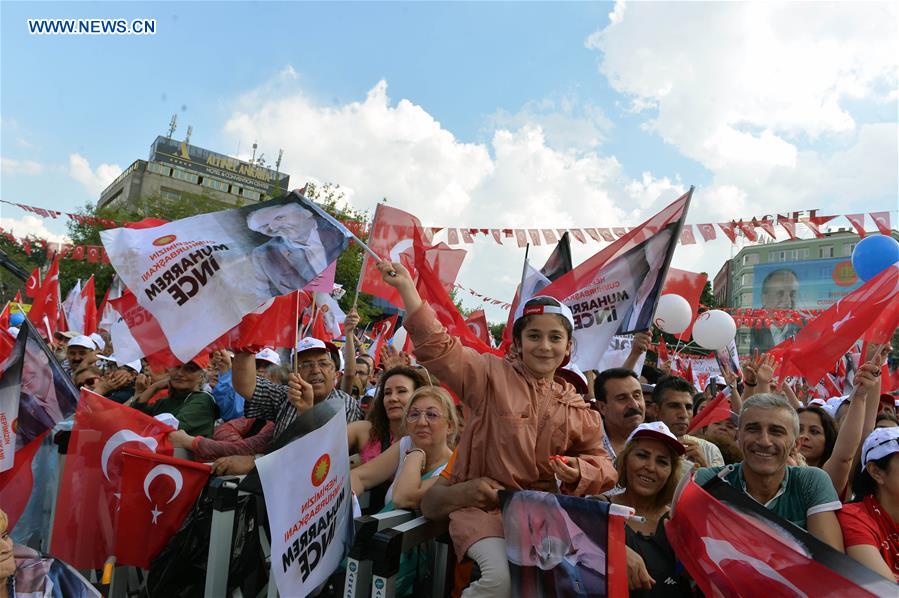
(415,414)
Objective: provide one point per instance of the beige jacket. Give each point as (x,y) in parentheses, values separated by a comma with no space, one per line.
(515,422)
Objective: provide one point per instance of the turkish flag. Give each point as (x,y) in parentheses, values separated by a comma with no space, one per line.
(790,226)
(392,235)
(90,306)
(766,225)
(44,312)
(858,223)
(737,548)
(748,230)
(716,411)
(686,235)
(662,351)
(319,330)
(83,531)
(33,283)
(729,229)
(78,253)
(433,292)
(871,311)
(477,323)
(157,493)
(382,330)
(688,285)
(815,223)
(93,254)
(707,231)
(882,220)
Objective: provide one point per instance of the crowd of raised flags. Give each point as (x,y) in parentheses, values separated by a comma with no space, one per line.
(586,458)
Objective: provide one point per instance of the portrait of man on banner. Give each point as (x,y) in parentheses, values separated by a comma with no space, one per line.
(298,249)
(556,544)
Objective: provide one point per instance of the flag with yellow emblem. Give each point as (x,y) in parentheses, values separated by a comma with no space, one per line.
(306,484)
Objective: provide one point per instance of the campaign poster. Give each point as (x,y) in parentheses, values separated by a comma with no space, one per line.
(306,484)
(808,284)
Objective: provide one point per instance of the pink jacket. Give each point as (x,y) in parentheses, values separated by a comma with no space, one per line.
(515,423)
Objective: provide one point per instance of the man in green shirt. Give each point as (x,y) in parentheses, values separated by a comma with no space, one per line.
(194,409)
(769,429)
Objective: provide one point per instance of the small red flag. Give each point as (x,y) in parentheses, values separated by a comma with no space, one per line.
(33,283)
(707,231)
(383,330)
(44,313)
(858,223)
(157,493)
(90,306)
(882,220)
(729,229)
(477,323)
(716,411)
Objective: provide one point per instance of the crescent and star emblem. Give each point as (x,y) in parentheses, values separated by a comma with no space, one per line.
(119,438)
(162,470)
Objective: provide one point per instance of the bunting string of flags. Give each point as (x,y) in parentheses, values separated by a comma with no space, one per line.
(91,253)
(484,298)
(752,229)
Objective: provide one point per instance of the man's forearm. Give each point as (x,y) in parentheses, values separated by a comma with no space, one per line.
(441,500)
(243,376)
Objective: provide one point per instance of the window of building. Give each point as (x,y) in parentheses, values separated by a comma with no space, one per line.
(825,251)
(215,184)
(183,175)
(848,248)
(159,168)
(750,259)
(249,194)
(746,279)
(746,299)
(169,194)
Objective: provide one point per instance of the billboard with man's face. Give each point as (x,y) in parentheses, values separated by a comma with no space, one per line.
(808,284)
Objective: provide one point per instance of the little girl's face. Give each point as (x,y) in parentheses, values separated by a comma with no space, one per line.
(544,344)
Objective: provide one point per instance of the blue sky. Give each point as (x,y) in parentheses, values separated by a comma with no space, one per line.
(477,114)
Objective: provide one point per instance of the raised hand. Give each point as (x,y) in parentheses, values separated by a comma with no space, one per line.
(299,393)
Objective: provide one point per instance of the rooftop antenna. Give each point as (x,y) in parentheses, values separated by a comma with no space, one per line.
(260,161)
(253,158)
(190,129)
(173,124)
(278,162)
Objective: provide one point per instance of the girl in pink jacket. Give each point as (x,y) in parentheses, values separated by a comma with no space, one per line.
(525,427)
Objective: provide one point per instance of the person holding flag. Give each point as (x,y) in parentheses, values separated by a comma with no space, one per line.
(541,434)
(672,404)
(805,496)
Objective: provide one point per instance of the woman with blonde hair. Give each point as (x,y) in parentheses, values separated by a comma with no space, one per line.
(418,458)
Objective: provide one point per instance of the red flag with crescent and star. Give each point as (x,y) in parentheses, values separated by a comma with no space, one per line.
(89,497)
(157,494)
(392,235)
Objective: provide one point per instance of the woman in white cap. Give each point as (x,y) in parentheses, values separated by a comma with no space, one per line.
(871,524)
(648,472)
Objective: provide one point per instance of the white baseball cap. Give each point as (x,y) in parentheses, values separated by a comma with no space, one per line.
(880,443)
(833,405)
(559,308)
(269,355)
(816,402)
(83,341)
(657,431)
(98,340)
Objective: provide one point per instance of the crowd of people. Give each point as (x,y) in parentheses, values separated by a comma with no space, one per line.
(445,428)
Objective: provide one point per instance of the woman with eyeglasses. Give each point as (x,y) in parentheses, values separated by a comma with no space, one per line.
(871,523)
(418,458)
(385,422)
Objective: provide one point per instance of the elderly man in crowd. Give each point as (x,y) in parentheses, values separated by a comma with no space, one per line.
(317,364)
(80,351)
(769,430)
(619,398)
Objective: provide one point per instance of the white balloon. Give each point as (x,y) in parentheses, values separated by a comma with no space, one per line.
(673,314)
(714,329)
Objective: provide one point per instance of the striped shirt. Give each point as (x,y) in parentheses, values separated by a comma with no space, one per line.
(269,401)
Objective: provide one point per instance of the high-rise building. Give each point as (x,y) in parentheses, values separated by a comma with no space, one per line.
(790,275)
(175,168)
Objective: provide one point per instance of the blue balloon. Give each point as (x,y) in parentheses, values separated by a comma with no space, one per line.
(16,319)
(873,255)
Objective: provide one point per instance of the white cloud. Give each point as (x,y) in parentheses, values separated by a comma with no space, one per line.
(94,180)
(567,123)
(12,167)
(739,87)
(31,225)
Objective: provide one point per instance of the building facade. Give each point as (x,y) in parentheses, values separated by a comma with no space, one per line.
(794,274)
(176,168)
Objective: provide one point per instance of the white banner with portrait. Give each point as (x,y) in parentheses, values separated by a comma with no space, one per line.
(199,276)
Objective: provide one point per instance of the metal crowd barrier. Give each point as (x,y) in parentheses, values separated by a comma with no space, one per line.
(388,546)
(357,582)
